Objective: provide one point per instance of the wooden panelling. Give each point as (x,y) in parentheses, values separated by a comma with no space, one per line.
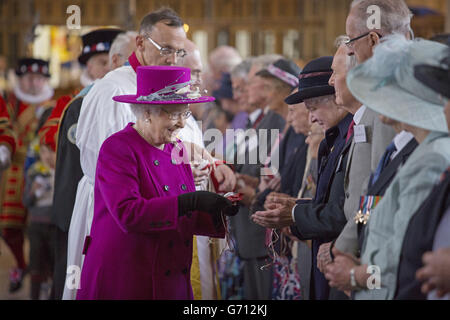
(318,22)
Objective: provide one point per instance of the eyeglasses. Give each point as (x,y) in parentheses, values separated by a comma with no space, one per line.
(351,42)
(167,51)
(177,115)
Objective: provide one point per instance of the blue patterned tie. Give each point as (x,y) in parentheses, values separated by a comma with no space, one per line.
(385,159)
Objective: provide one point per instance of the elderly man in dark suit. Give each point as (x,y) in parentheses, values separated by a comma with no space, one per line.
(322,218)
(293,152)
(250,238)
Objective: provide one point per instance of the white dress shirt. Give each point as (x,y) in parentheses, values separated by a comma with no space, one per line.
(254,115)
(358,114)
(400,141)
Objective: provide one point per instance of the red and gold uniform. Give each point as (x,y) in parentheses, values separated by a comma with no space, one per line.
(49,132)
(19,118)
(22,122)
(7,136)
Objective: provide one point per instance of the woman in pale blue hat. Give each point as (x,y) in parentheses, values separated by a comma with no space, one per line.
(386,84)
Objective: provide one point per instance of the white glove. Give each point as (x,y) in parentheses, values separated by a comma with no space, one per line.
(5,157)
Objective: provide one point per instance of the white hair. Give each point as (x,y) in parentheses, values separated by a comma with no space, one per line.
(266,60)
(340,40)
(321,100)
(224,58)
(121,44)
(243,68)
(140,110)
(395,15)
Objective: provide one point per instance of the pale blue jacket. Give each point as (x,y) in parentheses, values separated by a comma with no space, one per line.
(389,220)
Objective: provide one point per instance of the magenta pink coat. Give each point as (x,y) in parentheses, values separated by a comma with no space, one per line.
(140,248)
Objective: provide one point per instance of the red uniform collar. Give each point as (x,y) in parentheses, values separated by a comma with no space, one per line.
(134,62)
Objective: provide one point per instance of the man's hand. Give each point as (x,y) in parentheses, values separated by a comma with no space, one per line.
(436,272)
(338,272)
(336,253)
(283,199)
(273,196)
(225,177)
(248,180)
(324,256)
(288,233)
(277,216)
(275,183)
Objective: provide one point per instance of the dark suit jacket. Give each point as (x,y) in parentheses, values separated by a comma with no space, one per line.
(68,168)
(293,168)
(385,179)
(419,238)
(293,151)
(388,174)
(250,237)
(324,220)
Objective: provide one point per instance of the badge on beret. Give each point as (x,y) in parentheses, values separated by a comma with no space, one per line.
(71,133)
(366,204)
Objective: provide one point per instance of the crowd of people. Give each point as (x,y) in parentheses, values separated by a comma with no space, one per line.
(249,179)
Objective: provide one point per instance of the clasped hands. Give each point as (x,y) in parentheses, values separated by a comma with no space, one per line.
(435,273)
(278,212)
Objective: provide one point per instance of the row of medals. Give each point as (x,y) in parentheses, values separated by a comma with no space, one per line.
(362,217)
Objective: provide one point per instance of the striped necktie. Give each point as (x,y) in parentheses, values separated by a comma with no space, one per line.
(385,159)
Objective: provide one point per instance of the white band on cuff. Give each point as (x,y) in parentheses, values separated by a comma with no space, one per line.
(293,213)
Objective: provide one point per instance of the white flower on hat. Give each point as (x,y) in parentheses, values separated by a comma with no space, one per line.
(183,90)
(194,94)
(189,93)
(86,49)
(34,67)
(23,69)
(100,46)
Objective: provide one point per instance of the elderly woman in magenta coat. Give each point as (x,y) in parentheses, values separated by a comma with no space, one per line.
(146,208)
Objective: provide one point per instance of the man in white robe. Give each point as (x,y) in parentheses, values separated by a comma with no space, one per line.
(160,41)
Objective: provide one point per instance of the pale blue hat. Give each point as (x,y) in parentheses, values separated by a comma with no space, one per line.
(386,84)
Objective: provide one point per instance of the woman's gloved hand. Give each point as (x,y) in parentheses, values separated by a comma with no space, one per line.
(205,201)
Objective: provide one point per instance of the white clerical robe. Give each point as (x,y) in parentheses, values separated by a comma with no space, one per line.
(100,117)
